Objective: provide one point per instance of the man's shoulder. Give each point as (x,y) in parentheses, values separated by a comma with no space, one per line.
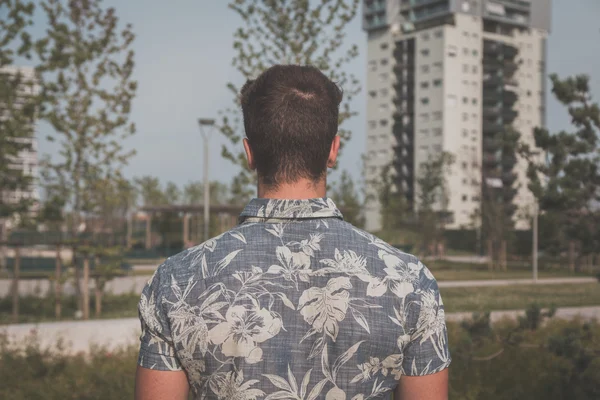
(375,244)
(194,261)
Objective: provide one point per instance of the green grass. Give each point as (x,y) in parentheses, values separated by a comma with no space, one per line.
(520,296)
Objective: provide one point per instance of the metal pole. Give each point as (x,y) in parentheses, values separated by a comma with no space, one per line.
(206,190)
(535,243)
(205,122)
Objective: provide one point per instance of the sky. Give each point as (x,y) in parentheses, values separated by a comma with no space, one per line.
(183,63)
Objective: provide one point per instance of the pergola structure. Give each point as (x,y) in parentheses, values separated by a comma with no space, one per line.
(231,212)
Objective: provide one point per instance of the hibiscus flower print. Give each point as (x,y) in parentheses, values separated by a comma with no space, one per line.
(400,278)
(242,331)
(231,386)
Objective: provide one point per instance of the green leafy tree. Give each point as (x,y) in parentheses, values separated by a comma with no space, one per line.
(289,32)
(567,182)
(86,66)
(18,105)
(395,207)
(172,193)
(150,191)
(432,199)
(346,196)
(193,193)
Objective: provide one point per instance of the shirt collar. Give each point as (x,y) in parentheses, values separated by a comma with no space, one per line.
(266,210)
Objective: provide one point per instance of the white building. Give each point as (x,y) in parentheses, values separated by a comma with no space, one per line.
(446,76)
(27,159)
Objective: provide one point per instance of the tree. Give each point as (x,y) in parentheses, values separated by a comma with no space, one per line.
(294,32)
(86,67)
(395,207)
(346,196)
(85,70)
(566,183)
(172,193)
(432,200)
(150,191)
(18,105)
(496,215)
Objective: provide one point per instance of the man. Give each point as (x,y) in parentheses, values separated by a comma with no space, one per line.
(294,303)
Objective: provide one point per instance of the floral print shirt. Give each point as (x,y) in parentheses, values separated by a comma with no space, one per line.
(294,303)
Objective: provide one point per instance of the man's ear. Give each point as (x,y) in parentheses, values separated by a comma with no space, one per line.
(249,155)
(333,152)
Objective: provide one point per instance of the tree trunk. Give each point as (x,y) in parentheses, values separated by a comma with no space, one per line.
(58,285)
(15,285)
(86,287)
(572,257)
(77,282)
(490,252)
(98,299)
(503,255)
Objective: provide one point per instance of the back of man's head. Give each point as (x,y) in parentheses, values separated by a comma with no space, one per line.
(291,118)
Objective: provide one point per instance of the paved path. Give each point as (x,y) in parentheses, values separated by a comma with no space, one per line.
(135,284)
(512,282)
(112,334)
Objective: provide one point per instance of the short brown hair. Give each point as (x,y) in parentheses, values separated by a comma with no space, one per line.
(291,118)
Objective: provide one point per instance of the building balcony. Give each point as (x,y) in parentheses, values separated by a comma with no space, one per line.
(492,112)
(492,81)
(509,115)
(490,144)
(509,52)
(490,160)
(374,6)
(490,128)
(416,4)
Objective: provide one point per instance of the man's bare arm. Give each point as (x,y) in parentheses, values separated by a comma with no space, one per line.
(428,387)
(160,385)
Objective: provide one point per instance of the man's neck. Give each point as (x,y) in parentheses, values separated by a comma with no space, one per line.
(300,190)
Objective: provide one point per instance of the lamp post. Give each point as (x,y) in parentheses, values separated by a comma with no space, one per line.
(535,241)
(205,125)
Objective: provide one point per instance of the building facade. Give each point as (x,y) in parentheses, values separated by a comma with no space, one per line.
(27,159)
(452,76)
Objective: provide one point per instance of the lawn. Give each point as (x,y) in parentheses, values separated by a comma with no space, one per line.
(519,297)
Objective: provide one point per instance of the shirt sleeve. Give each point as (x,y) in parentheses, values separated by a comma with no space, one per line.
(426,351)
(157,350)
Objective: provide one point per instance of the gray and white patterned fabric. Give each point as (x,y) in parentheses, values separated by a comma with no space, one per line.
(293,303)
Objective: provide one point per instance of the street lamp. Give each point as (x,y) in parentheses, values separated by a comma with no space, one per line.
(205,125)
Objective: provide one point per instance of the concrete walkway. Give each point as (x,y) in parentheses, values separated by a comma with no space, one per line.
(135,284)
(80,336)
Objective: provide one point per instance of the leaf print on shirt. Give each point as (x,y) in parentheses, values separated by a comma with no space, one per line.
(289,388)
(331,372)
(294,266)
(431,324)
(242,331)
(231,386)
(348,263)
(309,246)
(400,279)
(324,307)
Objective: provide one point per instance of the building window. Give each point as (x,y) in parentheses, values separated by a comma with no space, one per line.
(384,77)
(384,61)
(424,69)
(475,53)
(372,124)
(439,34)
(465,51)
(425,36)
(437,82)
(475,69)
(465,68)
(474,101)
(465,33)
(425,52)
(373,93)
(474,116)
(437,148)
(383,122)
(465,100)
(425,100)
(424,117)
(437,131)
(384,92)
(384,46)
(529,93)
(438,66)
(465,165)
(373,65)
(452,51)
(465,117)
(424,133)
(465,132)
(424,85)
(464,196)
(437,115)
(383,107)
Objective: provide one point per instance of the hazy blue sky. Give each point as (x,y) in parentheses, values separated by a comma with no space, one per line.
(183,61)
